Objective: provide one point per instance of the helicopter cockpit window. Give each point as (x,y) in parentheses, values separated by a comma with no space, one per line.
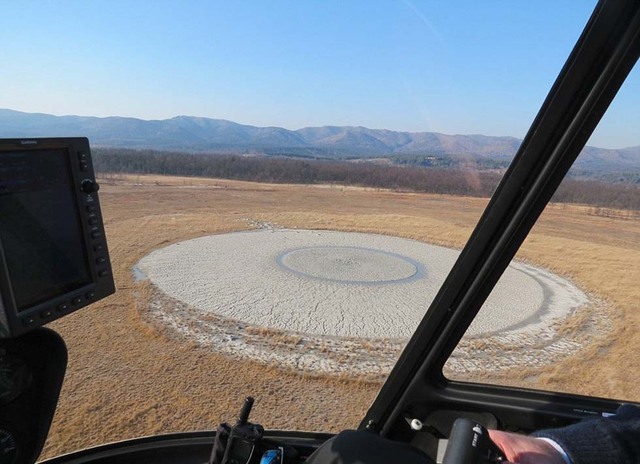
(562,317)
(293,267)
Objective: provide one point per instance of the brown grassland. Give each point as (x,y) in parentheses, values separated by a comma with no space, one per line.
(126,378)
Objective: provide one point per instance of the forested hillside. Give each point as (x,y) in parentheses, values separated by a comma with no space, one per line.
(454,181)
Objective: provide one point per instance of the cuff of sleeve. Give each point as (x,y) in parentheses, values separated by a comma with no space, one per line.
(558,448)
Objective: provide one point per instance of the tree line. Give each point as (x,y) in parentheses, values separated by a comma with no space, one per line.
(452,181)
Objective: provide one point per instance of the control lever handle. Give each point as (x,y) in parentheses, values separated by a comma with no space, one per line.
(469,443)
(245,411)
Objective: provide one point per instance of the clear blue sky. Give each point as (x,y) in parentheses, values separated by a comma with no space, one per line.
(450,67)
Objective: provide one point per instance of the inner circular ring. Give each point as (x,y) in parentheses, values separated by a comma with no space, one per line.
(351,265)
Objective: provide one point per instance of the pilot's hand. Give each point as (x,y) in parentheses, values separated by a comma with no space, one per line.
(522,449)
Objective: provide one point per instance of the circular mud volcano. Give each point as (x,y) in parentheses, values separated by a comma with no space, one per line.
(338,284)
(309,288)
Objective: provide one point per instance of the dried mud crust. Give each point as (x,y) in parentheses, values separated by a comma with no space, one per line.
(553,318)
(539,344)
(342,284)
(367,359)
(530,350)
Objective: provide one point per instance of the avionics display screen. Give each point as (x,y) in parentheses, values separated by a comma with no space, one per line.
(40,226)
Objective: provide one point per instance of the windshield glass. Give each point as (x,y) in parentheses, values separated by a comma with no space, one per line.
(569,326)
(284,185)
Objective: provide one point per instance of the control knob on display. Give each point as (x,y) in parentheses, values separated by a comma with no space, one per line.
(88,186)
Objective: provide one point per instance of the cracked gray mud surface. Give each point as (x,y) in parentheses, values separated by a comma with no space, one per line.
(326,292)
(351,265)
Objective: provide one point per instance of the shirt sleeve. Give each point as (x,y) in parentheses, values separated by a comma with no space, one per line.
(558,448)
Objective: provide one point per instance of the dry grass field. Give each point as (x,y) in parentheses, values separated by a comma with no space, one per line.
(127,378)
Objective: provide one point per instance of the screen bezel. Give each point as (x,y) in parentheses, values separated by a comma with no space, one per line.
(15,320)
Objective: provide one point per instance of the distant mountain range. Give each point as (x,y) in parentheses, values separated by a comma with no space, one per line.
(217,135)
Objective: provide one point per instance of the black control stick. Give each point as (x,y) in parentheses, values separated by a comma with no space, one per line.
(469,443)
(243,444)
(245,411)
(235,445)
